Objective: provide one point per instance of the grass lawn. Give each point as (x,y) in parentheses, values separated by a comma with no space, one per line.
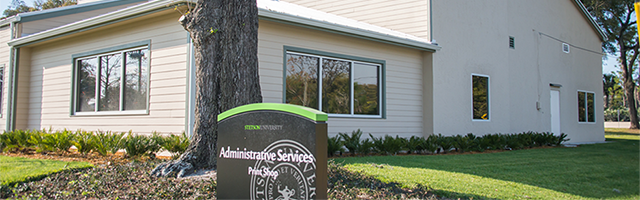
(16,169)
(596,171)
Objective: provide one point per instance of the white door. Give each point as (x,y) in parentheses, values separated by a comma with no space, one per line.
(555,112)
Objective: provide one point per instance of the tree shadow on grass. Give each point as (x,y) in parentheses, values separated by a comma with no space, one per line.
(345,184)
(590,171)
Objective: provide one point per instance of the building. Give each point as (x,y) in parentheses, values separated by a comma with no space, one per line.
(389,67)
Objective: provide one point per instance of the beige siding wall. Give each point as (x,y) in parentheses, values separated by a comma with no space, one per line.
(520,77)
(50,73)
(28,28)
(403,74)
(5,35)
(408,16)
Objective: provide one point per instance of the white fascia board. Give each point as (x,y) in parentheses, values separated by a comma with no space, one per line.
(7,21)
(593,23)
(95,22)
(266,14)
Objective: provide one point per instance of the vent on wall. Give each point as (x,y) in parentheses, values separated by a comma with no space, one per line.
(512,42)
(566,48)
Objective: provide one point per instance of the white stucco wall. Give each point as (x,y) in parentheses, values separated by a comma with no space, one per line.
(475,40)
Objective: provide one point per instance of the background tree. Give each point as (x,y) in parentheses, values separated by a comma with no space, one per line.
(609,83)
(225,41)
(617,19)
(18,6)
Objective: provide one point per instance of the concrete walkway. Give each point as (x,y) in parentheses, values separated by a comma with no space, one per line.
(617,124)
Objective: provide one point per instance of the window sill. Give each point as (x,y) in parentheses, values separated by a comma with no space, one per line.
(110,113)
(481,120)
(586,122)
(354,116)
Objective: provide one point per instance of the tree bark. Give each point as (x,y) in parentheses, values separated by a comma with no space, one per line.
(225,40)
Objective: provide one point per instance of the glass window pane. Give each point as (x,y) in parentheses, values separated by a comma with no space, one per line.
(365,86)
(582,117)
(302,80)
(480,97)
(135,90)
(335,86)
(87,70)
(110,73)
(590,107)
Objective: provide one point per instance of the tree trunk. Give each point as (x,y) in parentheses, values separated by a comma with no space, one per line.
(629,86)
(225,40)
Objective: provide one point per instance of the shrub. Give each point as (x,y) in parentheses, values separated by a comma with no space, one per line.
(461,143)
(430,144)
(83,141)
(388,144)
(176,144)
(35,139)
(365,147)
(444,142)
(352,143)
(414,144)
(59,141)
(334,145)
(105,142)
(137,145)
(15,140)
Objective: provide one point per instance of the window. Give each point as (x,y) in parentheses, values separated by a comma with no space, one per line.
(480,84)
(338,86)
(112,82)
(586,107)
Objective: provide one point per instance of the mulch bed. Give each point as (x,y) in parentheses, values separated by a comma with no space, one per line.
(118,177)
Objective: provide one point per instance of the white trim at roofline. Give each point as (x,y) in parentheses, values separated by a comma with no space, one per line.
(593,23)
(359,30)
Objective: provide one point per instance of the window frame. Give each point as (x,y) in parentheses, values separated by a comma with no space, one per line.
(586,106)
(340,57)
(488,98)
(121,49)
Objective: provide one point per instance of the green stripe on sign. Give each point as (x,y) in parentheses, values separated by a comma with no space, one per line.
(310,113)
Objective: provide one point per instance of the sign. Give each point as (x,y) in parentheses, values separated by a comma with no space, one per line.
(272,151)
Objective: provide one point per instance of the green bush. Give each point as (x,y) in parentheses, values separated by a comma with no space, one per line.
(365,147)
(140,145)
(445,143)
(430,145)
(15,140)
(59,141)
(176,144)
(83,141)
(387,144)
(352,143)
(334,145)
(414,144)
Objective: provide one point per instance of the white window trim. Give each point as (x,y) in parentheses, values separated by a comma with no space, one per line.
(4,71)
(586,107)
(96,112)
(352,62)
(488,98)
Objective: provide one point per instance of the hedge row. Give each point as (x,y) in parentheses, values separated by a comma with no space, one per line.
(103,143)
(438,143)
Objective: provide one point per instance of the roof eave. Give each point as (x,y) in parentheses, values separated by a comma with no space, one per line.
(269,15)
(95,22)
(594,24)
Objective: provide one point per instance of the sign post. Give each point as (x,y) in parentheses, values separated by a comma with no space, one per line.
(272,151)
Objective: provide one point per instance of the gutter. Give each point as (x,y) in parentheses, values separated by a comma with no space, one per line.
(284,18)
(594,24)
